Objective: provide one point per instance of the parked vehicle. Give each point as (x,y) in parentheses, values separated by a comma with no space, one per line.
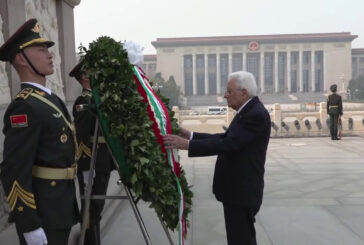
(216,110)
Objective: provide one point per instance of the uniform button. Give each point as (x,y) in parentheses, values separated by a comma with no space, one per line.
(83,156)
(53,183)
(63,138)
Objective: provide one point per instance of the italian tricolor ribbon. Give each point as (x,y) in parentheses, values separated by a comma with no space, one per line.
(158,114)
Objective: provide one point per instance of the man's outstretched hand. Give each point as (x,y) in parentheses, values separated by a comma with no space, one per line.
(172,141)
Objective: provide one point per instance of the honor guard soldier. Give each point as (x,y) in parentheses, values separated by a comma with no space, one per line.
(85,127)
(335,110)
(38,167)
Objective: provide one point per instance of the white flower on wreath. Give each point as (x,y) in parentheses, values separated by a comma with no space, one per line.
(135,52)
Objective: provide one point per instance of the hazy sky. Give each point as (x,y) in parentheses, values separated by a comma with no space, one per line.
(146,20)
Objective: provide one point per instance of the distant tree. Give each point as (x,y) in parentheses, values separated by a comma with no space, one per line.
(356,87)
(168,89)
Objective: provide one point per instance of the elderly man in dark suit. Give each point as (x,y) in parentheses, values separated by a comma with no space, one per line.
(241,152)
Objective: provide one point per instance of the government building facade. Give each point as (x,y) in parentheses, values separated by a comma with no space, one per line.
(282,64)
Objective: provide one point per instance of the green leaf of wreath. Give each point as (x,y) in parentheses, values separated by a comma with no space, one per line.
(151,179)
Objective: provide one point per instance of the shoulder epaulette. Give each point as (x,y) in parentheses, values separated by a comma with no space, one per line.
(41,93)
(24,94)
(86,93)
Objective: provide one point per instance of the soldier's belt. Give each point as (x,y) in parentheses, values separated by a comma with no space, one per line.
(333,106)
(100,139)
(54,173)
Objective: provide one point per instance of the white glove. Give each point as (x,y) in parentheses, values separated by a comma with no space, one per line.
(36,237)
(85,175)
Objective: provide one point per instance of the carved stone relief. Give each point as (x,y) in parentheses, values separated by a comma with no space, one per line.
(4,81)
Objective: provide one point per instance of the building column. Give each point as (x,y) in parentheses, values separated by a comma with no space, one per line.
(275,75)
(324,71)
(300,82)
(289,72)
(313,84)
(206,75)
(357,68)
(218,78)
(182,82)
(66,30)
(261,70)
(194,81)
(14,15)
(230,62)
(244,61)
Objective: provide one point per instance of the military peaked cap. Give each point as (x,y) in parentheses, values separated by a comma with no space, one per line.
(77,71)
(27,35)
(333,88)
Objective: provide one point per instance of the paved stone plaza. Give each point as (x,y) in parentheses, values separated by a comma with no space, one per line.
(314,195)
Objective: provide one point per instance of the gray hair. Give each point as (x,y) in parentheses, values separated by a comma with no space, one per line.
(245,80)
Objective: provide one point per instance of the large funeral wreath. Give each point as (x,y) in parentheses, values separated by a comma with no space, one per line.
(151,179)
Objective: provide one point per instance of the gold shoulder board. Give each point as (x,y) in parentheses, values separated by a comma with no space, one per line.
(41,93)
(24,94)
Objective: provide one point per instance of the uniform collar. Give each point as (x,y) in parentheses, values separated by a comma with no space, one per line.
(41,87)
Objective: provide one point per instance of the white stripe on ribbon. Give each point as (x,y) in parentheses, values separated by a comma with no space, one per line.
(161,119)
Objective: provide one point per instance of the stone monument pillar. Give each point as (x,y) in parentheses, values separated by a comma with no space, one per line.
(323,116)
(176,113)
(277,117)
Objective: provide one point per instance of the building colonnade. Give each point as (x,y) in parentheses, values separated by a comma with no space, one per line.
(275,71)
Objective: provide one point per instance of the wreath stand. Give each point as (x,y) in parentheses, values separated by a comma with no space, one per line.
(133,201)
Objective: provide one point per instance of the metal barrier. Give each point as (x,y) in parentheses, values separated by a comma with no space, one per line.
(318,124)
(297,124)
(274,126)
(308,124)
(350,123)
(285,126)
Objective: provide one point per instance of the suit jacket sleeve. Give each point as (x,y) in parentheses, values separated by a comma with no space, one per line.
(236,138)
(20,147)
(198,136)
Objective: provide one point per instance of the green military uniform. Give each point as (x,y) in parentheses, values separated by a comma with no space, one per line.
(85,127)
(334,109)
(37,135)
(38,167)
